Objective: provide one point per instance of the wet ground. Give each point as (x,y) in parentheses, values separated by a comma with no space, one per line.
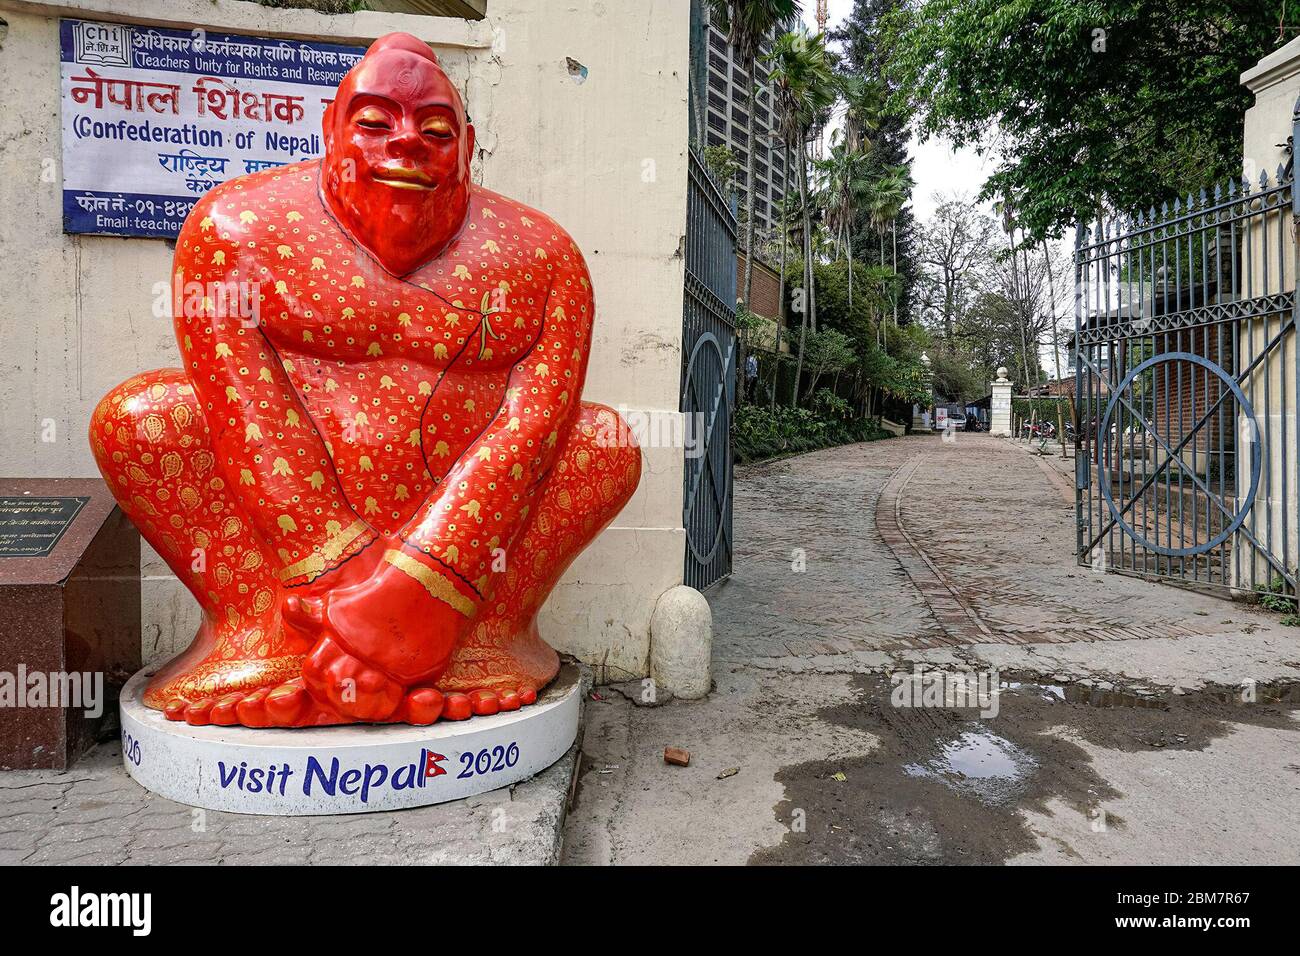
(1134,723)
(949,785)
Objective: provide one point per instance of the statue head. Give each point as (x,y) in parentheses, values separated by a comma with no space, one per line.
(398,146)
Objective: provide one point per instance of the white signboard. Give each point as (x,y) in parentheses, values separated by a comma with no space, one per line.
(153,118)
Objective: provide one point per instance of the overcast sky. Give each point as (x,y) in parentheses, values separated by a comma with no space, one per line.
(937,168)
(939,171)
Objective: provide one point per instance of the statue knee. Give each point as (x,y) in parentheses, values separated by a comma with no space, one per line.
(607,444)
(142,410)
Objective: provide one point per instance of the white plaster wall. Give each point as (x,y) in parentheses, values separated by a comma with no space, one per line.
(606,157)
(1275,81)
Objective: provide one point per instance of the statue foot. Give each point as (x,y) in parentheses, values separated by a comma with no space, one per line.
(285,705)
(291,704)
(487,701)
(361,692)
(348,684)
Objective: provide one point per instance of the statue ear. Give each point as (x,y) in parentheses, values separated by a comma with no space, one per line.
(469,144)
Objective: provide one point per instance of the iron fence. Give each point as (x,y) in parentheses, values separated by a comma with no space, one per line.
(1186,379)
(708,376)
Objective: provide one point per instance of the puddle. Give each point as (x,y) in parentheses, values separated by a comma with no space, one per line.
(940,787)
(1095,695)
(1081,693)
(1046,691)
(981,763)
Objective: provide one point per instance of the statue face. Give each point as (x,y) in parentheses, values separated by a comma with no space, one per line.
(397,156)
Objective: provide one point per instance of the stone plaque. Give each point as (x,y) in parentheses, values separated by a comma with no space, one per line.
(31,526)
(69,617)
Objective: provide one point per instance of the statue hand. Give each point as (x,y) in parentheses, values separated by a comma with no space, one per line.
(377,638)
(302,608)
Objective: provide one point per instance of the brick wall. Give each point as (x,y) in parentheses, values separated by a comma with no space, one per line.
(1184,391)
(765,292)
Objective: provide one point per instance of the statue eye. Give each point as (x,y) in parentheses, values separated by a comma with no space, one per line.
(436,126)
(372,118)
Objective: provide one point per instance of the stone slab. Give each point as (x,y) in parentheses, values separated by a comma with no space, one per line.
(69,618)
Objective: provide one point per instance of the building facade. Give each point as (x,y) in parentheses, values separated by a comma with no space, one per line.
(726,121)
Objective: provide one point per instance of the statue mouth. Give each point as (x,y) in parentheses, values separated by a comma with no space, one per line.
(404,177)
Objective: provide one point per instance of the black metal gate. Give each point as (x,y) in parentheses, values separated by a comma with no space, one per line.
(1186,377)
(708,376)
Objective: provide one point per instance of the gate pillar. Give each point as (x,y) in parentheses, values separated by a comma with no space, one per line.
(1000,410)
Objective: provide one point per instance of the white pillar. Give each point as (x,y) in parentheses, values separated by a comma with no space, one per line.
(1000,413)
(1275,83)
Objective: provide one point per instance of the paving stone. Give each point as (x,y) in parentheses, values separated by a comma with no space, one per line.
(914,545)
(96,814)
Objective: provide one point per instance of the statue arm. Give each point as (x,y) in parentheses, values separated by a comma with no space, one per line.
(273,457)
(452,541)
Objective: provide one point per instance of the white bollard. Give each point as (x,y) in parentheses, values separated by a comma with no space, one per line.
(681,643)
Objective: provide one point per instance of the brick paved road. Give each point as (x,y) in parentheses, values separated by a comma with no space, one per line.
(918,543)
(820,507)
(958,556)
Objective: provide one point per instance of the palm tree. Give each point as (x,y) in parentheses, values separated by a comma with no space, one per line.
(864,106)
(786,214)
(803,86)
(748,23)
(847,184)
(889,192)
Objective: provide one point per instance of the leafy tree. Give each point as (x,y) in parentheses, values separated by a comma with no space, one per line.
(904,379)
(1086,105)
(827,352)
(876,110)
(803,87)
(955,377)
(857,318)
(722,163)
(986,301)
(953,253)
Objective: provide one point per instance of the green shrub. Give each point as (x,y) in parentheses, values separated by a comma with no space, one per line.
(758,432)
(1272,596)
(830,405)
(1041,409)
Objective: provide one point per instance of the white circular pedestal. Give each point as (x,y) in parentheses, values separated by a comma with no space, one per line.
(357,768)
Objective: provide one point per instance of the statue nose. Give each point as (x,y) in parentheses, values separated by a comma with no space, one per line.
(406,141)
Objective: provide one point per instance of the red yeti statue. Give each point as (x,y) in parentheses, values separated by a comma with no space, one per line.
(375,463)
